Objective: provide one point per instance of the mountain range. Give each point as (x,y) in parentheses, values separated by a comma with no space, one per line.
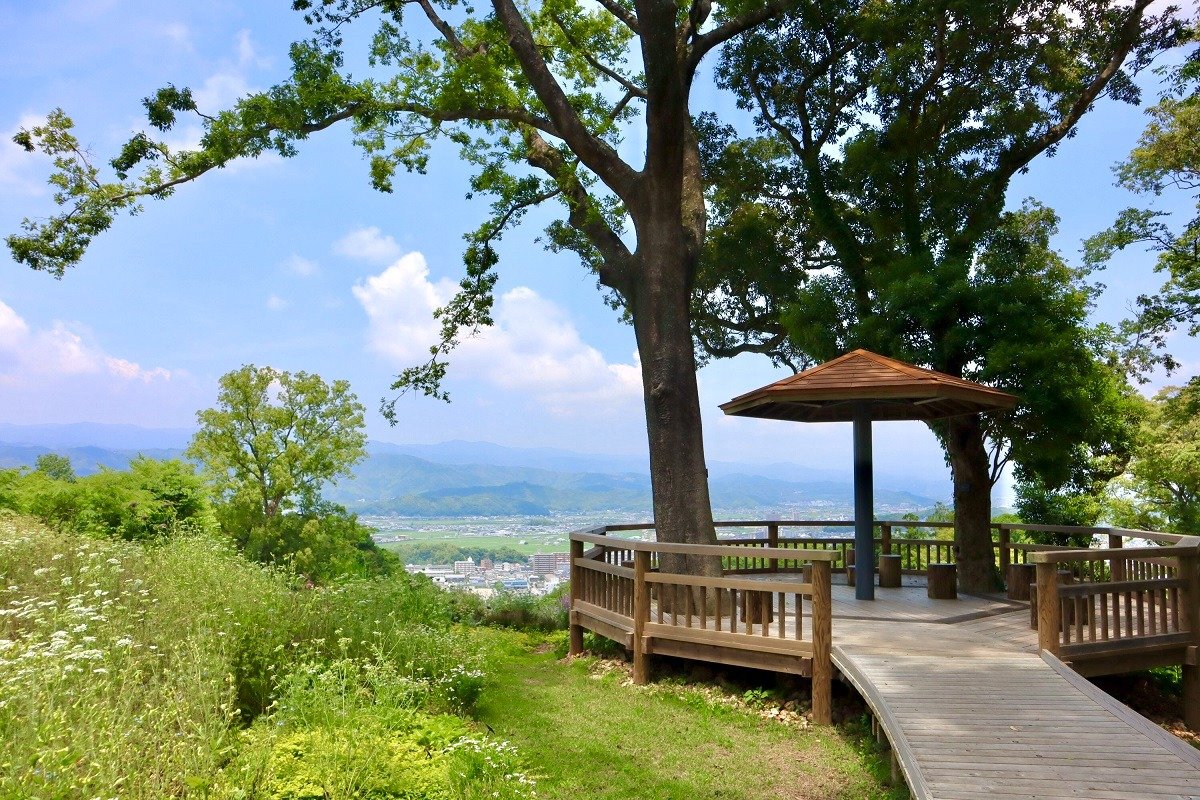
(484,479)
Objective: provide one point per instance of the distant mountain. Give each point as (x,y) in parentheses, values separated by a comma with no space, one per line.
(93,434)
(482,479)
(86,460)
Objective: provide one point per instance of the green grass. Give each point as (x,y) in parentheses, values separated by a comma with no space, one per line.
(590,734)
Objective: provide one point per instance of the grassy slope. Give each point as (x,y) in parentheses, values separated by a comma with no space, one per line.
(591,735)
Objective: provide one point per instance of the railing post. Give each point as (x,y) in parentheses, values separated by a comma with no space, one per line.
(576,594)
(773,541)
(885,539)
(1116,565)
(1049,610)
(641,614)
(1005,540)
(1189,570)
(822,639)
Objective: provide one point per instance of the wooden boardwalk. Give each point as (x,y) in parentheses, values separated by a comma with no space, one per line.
(973,711)
(970,693)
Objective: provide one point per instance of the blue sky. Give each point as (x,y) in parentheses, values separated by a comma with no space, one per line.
(300,265)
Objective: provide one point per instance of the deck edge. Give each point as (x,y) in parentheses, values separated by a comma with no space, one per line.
(913,776)
(1123,712)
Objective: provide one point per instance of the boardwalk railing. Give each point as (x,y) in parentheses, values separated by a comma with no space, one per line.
(619,590)
(1121,608)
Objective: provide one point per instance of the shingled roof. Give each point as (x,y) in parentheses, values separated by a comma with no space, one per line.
(892,389)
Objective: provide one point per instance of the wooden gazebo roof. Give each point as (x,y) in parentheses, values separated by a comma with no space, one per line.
(892,389)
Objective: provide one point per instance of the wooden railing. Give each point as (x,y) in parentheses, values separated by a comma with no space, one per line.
(1121,608)
(619,591)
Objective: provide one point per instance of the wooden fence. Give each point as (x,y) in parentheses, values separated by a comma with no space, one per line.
(1114,609)
(619,591)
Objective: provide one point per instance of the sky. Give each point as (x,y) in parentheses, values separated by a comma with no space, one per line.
(300,265)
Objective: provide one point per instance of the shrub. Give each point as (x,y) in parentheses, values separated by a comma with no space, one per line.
(529,612)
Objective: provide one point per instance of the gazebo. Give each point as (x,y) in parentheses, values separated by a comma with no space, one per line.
(860,387)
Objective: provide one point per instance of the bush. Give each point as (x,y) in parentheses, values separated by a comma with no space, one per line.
(354,728)
(149,501)
(528,612)
(130,669)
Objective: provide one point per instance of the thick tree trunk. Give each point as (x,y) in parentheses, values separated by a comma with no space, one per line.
(679,479)
(970,470)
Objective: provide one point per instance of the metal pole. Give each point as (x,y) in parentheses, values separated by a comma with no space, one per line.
(864,506)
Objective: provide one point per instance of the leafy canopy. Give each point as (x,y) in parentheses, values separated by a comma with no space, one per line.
(276,437)
(1161,490)
(870,211)
(1166,159)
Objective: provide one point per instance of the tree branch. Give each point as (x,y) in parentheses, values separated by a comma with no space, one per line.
(615,271)
(595,153)
(731,28)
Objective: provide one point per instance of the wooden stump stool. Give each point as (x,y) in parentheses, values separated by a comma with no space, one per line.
(850,574)
(1020,576)
(757,608)
(941,582)
(889,571)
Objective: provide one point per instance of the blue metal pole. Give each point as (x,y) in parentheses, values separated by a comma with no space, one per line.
(864,506)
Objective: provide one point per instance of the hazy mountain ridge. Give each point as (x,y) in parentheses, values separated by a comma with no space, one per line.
(399,479)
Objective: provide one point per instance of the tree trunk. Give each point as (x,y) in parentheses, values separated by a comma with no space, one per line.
(971,473)
(679,479)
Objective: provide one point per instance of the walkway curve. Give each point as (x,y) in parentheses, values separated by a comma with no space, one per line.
(968,717)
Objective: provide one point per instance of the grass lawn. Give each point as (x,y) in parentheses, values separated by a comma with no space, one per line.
(590,734)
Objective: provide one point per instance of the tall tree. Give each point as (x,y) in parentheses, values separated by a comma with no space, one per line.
(276,437)
(1161,490)
(538,98)
(898,128)
(1166,159)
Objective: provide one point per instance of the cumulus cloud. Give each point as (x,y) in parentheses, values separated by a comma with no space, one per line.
(298,265)
(533,349)
(368,244)
(29,356)
(399,303)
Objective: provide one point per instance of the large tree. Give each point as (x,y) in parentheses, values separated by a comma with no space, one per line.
(1161,490)
(1166,159)
(874,208)
(538,97)
(276,438)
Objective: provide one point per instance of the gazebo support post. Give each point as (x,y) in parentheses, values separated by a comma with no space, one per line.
(864,506)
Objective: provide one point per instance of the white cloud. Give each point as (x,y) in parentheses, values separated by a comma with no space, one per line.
(298,265)
(18,169)
(29,356)
(399,303)
(368,244)
(179,35)
(534,349)
(276,303)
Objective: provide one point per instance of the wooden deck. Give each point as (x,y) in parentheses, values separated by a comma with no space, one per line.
(972,710)
(970,693)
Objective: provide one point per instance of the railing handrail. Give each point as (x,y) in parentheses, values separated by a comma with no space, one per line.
(1103,554)
(704,549)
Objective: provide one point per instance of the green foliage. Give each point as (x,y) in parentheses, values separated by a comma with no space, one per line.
(448,553)
(55,467)
(322,545)
(1161,490)
(275,437)
(1166,159)
(132,669)
(151,500)
(879,201)
(527,612)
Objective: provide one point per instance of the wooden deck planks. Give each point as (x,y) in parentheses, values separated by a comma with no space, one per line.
(972,713)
